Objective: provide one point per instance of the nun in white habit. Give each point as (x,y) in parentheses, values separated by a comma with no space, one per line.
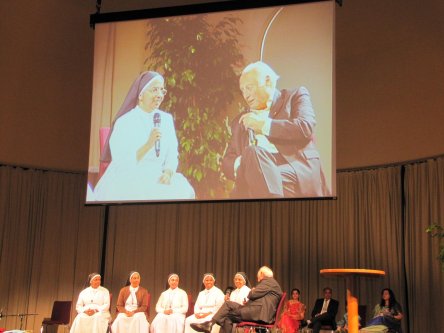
(171,308)
(132,306)
(92,308)
(142,149)
(210,299)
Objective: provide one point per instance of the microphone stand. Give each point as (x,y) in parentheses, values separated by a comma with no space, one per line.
(20,315)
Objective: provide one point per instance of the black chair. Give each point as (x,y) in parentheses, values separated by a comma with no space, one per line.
(61,315)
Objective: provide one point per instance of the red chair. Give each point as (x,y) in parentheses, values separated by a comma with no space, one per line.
(148,307)
(190,306)
(103,136)
(250,326)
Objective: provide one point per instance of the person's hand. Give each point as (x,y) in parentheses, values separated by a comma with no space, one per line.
(90,312)
(386,312)
(165,178)
(201,315)
(129,313)
(155,135)
(168,311)
(249,120)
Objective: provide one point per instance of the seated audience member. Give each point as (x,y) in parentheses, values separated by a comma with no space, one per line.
(387,314)
(207,303)
(142,149)
(131,306)
(294,313)
(171,308)
(240,293)
(261,306)
(324,312)
(92,308)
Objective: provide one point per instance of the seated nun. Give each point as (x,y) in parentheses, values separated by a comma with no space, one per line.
(132,305)
(171,308)
(92,307)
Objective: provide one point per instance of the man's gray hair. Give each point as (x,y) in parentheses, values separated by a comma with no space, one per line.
(266,271)
(264,70)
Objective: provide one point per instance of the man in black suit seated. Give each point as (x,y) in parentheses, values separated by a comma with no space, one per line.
(261,306)
(271,153)
(324,312)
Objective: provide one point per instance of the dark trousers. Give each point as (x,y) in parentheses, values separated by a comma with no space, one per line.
(323,319)
(262,174)
(228,314)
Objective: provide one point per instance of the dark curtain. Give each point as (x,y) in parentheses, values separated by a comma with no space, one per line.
(424,197)
(50,241)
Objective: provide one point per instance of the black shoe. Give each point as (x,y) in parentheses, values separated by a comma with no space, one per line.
(204,327)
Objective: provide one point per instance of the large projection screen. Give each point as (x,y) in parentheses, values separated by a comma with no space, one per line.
(178,116)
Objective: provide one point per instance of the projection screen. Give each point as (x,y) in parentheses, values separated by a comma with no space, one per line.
(207,105)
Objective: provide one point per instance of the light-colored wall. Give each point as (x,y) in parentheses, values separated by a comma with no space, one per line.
(389,72)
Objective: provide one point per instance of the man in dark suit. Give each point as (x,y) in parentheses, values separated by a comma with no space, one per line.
(324,312)
(261,306)
(272,152)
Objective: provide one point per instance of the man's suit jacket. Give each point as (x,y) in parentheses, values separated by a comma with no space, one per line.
(263,301)
(292,132)
(332,309)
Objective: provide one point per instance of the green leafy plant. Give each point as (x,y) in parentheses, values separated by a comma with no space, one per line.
(437,231)
(200,61)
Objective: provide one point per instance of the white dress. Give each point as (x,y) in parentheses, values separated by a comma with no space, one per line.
(240,295)
(176,300)
(207,301)
(129,179)
(94,299)
(137,323)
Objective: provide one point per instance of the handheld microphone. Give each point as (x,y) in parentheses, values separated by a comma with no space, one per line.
(252,137)
(228,291)
(156,121)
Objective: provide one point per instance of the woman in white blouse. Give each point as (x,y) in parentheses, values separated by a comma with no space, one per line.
(92,308)
(132,305)
(208,302)
(171,308)
(240,294)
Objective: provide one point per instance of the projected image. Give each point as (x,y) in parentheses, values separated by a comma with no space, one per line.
(216,106)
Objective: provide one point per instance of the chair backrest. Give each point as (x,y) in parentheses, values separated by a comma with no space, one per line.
(362,312)
(190,306)
(147,312)
(279,308)
(61,312)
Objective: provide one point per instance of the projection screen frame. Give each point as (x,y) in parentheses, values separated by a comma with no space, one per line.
(209,8)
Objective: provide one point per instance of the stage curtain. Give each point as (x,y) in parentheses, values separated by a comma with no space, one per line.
(424,198)
(362,228)
(49,242)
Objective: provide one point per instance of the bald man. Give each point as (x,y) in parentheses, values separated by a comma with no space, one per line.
(261,306)
(271,153)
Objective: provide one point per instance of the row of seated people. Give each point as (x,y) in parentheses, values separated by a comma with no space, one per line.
(214,311)
(94,302)
(387,315)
